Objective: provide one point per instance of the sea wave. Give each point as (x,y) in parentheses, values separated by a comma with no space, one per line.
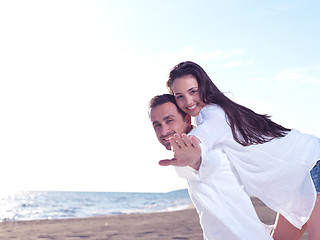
(36,205)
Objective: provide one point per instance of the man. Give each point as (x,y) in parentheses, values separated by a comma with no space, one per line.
(225,210)
(167,120)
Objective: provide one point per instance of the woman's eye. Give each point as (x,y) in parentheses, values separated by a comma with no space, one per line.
(178,97)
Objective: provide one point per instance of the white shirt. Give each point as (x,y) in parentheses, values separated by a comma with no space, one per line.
(277,172)
(225,210)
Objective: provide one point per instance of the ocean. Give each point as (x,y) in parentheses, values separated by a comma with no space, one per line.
(35,205)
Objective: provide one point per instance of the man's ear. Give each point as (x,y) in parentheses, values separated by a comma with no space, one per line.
(187,119)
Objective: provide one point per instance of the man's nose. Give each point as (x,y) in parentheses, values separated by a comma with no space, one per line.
(165,130)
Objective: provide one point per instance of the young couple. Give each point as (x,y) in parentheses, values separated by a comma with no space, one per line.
(232,147)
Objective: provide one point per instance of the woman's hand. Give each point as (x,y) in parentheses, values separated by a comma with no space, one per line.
(187,152)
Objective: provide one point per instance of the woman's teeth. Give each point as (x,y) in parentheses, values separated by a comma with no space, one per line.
(192,107)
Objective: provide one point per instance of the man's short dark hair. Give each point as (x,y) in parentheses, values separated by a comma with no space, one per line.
(162,99)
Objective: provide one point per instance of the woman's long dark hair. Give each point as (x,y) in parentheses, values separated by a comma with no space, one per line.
(247,126)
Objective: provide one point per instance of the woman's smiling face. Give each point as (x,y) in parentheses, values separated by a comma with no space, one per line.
(186,92)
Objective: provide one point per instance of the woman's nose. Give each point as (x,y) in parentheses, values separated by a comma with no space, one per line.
(188,100)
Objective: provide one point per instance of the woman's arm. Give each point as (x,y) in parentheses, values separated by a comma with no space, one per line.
(212,126)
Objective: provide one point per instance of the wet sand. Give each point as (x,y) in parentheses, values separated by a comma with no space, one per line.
(154,226)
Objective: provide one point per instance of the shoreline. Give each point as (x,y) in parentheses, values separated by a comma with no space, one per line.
(180,224)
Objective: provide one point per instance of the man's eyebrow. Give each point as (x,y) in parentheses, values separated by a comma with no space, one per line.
(167,117)
(164,118)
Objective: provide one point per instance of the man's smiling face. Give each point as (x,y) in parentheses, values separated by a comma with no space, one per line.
(167,121)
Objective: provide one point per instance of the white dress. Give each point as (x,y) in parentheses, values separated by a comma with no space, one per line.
(225,210)
(277,172)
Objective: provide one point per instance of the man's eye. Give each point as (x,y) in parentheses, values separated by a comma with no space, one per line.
(170,120)
(156,126)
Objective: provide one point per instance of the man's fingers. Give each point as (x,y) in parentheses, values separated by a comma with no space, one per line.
(168,162)
(181,141)
(186,140)
(194,141)
(174,144)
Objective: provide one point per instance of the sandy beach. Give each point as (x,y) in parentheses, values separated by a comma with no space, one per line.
(154,226)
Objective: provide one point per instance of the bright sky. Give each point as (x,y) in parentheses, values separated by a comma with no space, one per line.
(76,78)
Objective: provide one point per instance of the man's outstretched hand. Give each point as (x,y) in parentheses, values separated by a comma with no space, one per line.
(187,152)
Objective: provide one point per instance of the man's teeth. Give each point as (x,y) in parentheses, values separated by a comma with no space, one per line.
(191,107)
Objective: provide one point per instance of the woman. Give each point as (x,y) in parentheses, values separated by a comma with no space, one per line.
(273,162)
